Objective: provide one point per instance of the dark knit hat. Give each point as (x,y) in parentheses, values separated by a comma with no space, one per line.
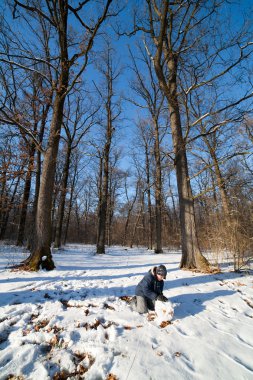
(161,270)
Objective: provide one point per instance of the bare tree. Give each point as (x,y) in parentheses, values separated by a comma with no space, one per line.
(148,90)
(176,32)
(56,16)
(79,119)
(112,109)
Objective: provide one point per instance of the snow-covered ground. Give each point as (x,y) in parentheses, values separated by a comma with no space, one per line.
(71,323)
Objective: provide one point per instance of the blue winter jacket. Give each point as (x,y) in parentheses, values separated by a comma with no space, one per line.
(149,286)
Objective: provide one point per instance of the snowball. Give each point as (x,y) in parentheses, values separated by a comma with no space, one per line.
(164,311)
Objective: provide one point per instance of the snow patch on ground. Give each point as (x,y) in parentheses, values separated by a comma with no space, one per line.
(76,321)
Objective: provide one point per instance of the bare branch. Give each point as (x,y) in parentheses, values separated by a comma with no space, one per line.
(32,9)
(231,105)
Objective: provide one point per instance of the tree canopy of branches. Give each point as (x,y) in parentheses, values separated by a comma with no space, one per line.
(168,167)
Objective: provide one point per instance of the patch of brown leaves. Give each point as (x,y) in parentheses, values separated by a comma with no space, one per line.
(81,368)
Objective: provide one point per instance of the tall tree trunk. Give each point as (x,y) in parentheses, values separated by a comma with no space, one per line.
(43,217)
(60,215)
(102,212)
(191,255)
(41,255)
(150,232)
(100,224)
(26,195)
(32,232)
(158,191)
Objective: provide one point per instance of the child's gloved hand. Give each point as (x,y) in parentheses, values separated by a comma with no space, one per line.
(162,298)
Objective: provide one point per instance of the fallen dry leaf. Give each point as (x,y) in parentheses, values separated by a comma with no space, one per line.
(111,376)
(39,325)
(164,324)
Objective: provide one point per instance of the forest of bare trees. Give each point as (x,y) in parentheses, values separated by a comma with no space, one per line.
(127,123)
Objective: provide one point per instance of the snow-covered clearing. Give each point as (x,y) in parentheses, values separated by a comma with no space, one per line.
(71,323)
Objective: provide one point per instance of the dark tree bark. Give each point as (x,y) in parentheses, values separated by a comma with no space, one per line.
(42,252)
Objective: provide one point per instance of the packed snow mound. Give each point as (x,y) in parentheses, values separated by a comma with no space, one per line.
(164,311)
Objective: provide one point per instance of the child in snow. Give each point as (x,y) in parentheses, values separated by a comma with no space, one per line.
(150,289)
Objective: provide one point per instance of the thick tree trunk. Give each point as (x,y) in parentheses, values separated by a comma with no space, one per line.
(191,255)
(31,231)
(60,215)
(41,255)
